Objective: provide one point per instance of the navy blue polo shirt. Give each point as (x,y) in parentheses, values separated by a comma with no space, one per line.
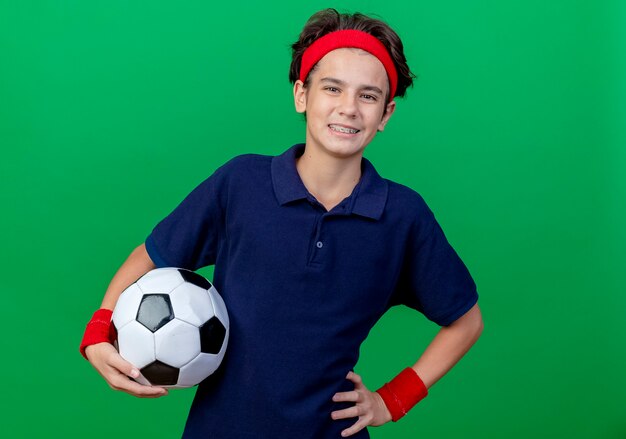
(303,287)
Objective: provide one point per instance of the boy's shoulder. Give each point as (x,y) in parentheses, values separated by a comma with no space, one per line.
(243,167)
(245,162)
(406,207)
(404,197)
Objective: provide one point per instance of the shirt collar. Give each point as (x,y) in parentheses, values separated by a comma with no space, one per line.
(368,199)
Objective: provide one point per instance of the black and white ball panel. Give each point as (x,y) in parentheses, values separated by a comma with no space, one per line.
(136,343)
(161,280)
(198,369)
(192,304)
(219,307)
(194,278)
(127,305)
(155,311)
(219,327)
(212,335)
(161,373)
(177,343)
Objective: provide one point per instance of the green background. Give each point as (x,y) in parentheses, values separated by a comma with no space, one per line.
(111,112)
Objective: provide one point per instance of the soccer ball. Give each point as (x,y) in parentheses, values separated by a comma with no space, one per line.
(172,325)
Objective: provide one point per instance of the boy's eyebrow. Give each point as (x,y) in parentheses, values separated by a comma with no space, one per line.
(342,83)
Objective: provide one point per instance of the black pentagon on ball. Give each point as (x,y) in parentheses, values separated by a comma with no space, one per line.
(212,335)
(160,374)
(194,278)
(155,310)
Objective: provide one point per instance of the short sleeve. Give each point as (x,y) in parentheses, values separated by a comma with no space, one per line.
(434,280)
(188,237)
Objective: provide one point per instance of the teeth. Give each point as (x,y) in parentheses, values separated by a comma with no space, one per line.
(343,130)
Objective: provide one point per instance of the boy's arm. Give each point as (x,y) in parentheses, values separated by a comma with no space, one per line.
(103,356)
(137,264)
(445,350)
(449,346)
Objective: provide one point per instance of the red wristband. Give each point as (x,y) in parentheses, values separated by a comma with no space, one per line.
(403,392)
(99,329)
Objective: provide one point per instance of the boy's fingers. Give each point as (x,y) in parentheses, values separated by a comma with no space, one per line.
(356,379)
(120,370)
(123,366)
(123,383)
(351,412)
(145,391)
(358,426)
(346,396)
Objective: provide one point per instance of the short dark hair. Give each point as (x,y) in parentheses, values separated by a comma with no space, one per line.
(330,20)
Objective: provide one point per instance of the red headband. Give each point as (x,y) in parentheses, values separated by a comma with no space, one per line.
(349,38)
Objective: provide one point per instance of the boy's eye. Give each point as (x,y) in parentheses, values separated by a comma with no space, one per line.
(331,89)
(370,97)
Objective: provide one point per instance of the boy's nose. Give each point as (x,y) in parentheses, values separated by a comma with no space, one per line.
(347,105)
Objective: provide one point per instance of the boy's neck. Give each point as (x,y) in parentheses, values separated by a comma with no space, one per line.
(329,179)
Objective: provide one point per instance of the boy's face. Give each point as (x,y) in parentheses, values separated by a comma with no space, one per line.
(344,102)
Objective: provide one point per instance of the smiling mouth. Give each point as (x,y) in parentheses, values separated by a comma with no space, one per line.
(341,129)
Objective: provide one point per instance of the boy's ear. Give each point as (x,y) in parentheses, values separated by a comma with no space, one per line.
(299,96)
(391,107)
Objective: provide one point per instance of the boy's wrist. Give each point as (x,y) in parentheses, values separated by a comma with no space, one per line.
(403,393)
(98,330)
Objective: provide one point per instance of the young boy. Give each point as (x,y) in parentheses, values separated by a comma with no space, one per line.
(310,249)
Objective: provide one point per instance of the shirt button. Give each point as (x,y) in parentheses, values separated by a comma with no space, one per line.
(320,244)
